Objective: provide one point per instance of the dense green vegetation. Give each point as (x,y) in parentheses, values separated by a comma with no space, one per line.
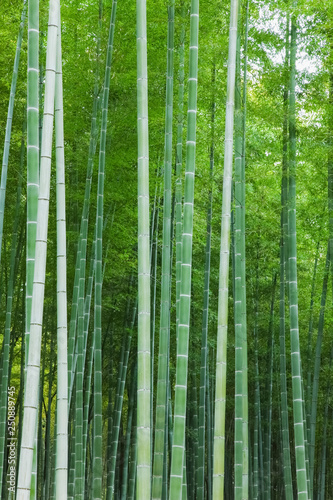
(184,315)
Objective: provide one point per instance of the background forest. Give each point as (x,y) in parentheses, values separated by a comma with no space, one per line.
(282,50)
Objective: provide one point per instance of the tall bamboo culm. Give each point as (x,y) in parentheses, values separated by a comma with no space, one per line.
(143,480)
(301,473)
(33,365)
(241,424)
(178,444)
(62,379)
(283,285)
(98,425)
(32,156)
(163,358)
(5,158)
(6,403)
(204,335)
(221,351)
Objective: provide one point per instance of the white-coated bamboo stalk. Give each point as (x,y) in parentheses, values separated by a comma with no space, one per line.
(62,379)
(33,365)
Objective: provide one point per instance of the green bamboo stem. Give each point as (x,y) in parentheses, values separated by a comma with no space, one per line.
(20,398)
(284,286)
(164,334)
(52,492)
(87,397)
(257,399)
(37,481)
(133,459)
(269,392)
(209,432)
(256,477)
(322,477)
(46,476)
(307,446)
(82,243)
(239,285)
(131,402)
(178,445)
(220,387)
(119,402)
(33,165)
(309,352)
(8,325)
(195,429)
(5,155)
(203,367)
(153,256)
(109,428)
(178,187)
(330,158)
(316,370)
(143,483)
(179,162)
(33,365)
(33,153)
(87,303)
(184,480)
(301,476)
(71,461)
(80,463)
(283,372)
(98,426)
(245,411)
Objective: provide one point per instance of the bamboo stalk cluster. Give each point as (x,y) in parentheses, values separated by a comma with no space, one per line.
(138,424)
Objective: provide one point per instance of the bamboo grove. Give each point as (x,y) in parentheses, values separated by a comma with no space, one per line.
(166,246)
